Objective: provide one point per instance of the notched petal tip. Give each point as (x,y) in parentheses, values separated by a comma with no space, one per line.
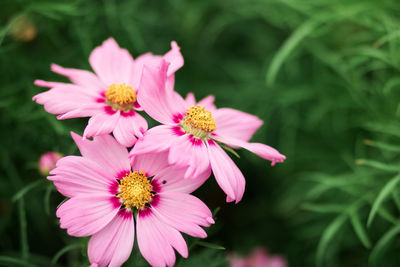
(60,117)
(278,159)
(56,68)
(174,45)
(76,137)
(110,40)
(72,133)
(38,82)
(210,220)
(42,83)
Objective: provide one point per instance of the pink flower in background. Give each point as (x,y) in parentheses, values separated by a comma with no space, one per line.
(258,258)
(109,97)
(108,194)
(47,162)
(194,132)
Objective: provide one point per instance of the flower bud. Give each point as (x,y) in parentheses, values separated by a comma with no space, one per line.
(48,162)
(23,29)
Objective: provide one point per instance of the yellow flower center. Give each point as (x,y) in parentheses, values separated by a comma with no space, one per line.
(198,121)
(136,190)
(121,96)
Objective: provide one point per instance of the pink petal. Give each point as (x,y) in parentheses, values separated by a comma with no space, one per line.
(236,124)
(48,84)
(183,212)
(260,257)
(85,215)
(276,262)
(157,139)
(227,174)
(80,77)
(190,100)
(151,163)
(101,123)
(111,63)
(105,151)
(236,261)
(113,245)
(261,150)
(265,152)
(208,103)
(170,84)
(128,127)
(141,124)
(68,87)
(84,111)
(171,179)
(177,99)
(161,104)
(174,57)
(79,176)
(150,60)
(65,98)
(190,152)
(156,240)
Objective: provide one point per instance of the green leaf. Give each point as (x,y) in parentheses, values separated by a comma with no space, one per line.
(381,127)
(386,38)
(54,10)
(359,229)
(288,46)
(396,198)
(382,243)
(383,194)
(382,145)
(227,148)
(65,250)
(374,53)
(327,237)
(4,30)
(215,211)
(23,230)
(378,165)
(209,245)
(385,214)
(324,208)
(390,84)
(10,261)
(28,188)
(47,195)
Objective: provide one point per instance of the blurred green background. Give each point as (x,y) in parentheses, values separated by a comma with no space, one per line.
(322,74)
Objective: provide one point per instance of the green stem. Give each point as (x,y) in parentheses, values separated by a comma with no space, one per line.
(23,230)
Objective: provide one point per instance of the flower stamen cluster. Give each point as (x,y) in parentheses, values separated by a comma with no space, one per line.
(136,190)
(198,121)
(121,96)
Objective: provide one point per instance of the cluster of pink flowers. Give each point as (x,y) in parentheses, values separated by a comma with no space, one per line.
(113,191)
(259,257)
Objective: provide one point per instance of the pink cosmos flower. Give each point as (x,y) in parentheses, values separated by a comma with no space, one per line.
(258,258)
(194,134)
(47,162)
(109,97)
(108,194)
